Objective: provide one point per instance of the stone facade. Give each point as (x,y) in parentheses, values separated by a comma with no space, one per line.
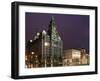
(46,48)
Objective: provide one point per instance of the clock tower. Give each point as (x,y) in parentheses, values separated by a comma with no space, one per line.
(56,45)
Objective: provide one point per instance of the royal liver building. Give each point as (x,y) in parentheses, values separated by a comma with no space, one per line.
(45,49)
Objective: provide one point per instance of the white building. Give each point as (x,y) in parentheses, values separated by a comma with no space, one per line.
(75,57)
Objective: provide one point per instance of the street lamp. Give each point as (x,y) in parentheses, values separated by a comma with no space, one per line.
(31,41)
(46,44)
(32,53)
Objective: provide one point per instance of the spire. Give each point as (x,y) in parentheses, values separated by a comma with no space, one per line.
(52,18)
(52,22)
(52,26)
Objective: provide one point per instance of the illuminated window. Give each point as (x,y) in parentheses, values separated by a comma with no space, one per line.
(25,57)
(76,55)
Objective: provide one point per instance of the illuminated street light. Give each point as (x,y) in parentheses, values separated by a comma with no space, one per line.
(38,34)
(32,53)
(46,43)
(30,40)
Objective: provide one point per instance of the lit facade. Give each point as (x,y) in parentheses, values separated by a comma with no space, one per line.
(45,49)
(75,57)
(84,57)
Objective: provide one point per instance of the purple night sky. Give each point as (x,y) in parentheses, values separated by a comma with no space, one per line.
(73,29)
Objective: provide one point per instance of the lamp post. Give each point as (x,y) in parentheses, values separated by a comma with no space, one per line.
(32,58)
(46,44)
